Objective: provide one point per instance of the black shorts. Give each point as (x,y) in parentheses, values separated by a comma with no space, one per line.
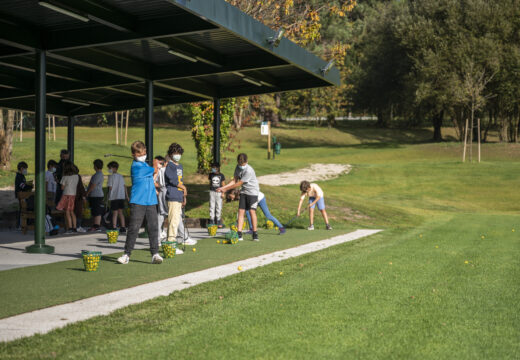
(248,202)
(97,206)
(117,204)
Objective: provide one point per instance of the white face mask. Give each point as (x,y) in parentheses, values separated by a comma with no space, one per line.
(176,157)
(110,171)
(242,167)
(141,158)
(24,171)
(53,170)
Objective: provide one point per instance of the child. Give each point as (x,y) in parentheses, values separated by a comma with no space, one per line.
(143,204)
(315,197)
(96,195)
(69,184)
(216,180)
(117,194)
(50,183)
(175,192)
(20,184)
(263,206)
(245,176)
(79,201)
(160,189)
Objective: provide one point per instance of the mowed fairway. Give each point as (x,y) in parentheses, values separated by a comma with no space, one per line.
(442,280)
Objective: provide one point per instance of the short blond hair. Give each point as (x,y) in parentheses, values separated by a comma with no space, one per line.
(138,147)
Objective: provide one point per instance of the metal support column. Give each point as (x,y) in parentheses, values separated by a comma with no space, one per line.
(70,137)
(148,122)
(216,130)
(40,198)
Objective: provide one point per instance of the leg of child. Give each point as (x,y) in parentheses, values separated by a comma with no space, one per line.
(180,229)
(160,221)
(114,218)
(67,219)
(121,218)
(137,213)
(311,215)
(218,207)
(212,203)
(241,213)
(249,220)
(267,213)
(254,219)
(174,209)
(73,219)
(321,208)
(153,233)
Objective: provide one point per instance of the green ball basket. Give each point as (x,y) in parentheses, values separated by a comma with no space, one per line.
(91,260)
(168,248)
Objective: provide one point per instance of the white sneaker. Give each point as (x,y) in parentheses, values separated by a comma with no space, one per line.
(164,235)
(310,227)
(157,259)
(125,259)
(241,238)
(190,242)
(81,230)
(178,251)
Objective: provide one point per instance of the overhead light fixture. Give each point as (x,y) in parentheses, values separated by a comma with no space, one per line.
(75,102)
(275,40)
(327,67)
(63,11)
(238,74)
(251,81)
(182,55)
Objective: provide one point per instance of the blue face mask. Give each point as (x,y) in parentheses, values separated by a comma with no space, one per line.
(213,170)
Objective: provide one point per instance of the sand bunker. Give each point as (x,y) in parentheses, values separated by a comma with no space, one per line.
(315,172)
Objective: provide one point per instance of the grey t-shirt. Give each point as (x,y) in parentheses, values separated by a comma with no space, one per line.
(97,179)
(248,176)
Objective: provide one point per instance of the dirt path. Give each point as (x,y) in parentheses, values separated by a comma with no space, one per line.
(315,172)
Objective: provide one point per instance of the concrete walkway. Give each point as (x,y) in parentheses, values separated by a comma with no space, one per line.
(13,255)
(45,320)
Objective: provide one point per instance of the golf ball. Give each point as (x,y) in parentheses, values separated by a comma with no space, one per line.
(240,268)
(194,250)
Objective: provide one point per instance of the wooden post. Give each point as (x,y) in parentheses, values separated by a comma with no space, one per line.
(478,129)
(54,127)
(269,140)
(121,128)
(465,139)
(21,126)
(117,132)
(49,125)
(126,130)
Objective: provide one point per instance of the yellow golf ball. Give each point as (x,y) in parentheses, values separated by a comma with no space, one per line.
(281,273)
(240,268)
(513,230)
(218,241)
(436,246)
(482,236)
(194,250)
(466,262)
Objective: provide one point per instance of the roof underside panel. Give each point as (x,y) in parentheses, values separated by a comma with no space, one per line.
(101,52)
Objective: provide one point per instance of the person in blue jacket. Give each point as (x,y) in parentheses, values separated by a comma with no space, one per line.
(143,204)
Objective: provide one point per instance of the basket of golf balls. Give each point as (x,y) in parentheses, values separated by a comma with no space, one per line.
(168,248)
(231,238)
(212,229)
(269,225)
(87,214)
(91,259)
(112,236)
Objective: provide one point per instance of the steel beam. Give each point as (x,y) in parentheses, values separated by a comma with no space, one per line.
(70,137)
(148,125)
(39,246)
(216,130)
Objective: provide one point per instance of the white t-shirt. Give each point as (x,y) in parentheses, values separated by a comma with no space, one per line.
(51,181)
(117,184)
(71,184)
(260,196)
(315,192)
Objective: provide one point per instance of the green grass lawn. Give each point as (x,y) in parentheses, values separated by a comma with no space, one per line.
(442,280)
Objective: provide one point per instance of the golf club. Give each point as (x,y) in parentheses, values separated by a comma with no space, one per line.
(295,217)
(186,234)
(121,156)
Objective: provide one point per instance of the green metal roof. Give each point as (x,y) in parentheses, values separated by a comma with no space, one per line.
(100,52)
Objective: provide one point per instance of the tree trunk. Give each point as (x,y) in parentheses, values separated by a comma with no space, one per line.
(6,138)
(382,119)
(275,121)
(437,126)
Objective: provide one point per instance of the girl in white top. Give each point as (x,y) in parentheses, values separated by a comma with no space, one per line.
(315,197)
(69,185)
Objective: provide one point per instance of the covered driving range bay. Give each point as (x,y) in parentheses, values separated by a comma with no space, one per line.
(73,58)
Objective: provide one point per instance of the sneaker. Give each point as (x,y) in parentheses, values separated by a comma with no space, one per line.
(94,229)
(125,259)
(164,235)
(69,231)
(122,230)
(220,224)
(240,237)
(310,227)
(81,230)
(282,231)
(190,242)
(157,259)
(329,227)
(250,232)
(255,236)
(178,251)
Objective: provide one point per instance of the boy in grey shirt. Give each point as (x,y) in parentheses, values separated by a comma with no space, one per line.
(96,195)
(245,176)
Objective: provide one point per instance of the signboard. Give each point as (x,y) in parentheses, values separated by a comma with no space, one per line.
(264,128)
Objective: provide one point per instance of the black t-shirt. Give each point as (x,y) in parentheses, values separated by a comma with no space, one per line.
(20,184)
(215,181)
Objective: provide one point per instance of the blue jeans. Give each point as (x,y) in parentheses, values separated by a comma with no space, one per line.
(263,205)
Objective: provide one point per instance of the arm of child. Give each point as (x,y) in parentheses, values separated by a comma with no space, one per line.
(300,204)
(315,201)
(232,185)
(223,193)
